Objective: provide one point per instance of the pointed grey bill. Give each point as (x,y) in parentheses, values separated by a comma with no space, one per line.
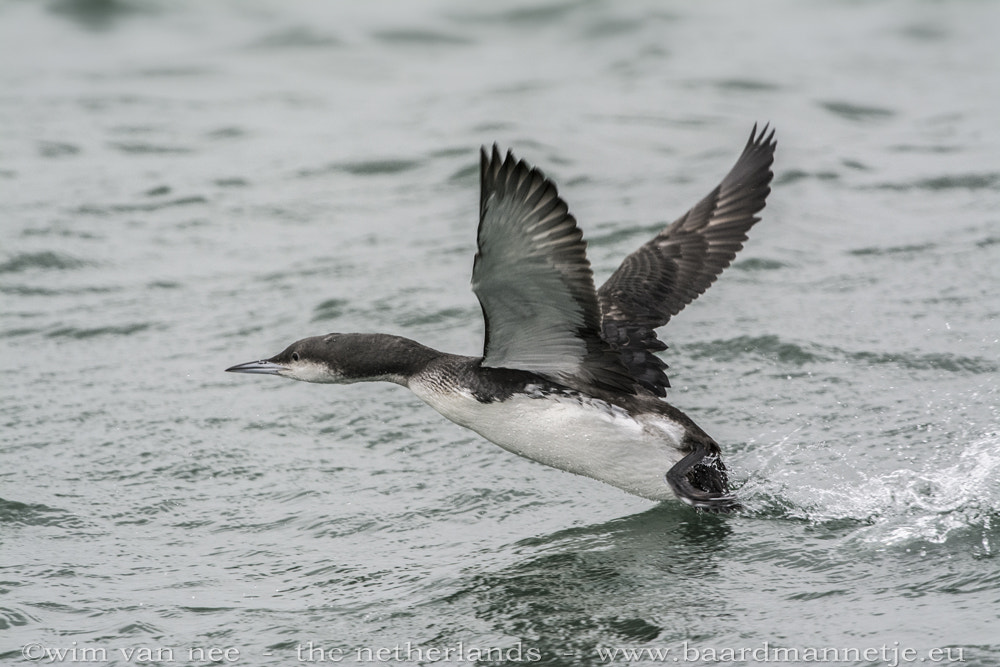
(259,367)
(534,282)
(656,281)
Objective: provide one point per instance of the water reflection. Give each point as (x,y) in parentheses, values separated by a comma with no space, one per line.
(635,579)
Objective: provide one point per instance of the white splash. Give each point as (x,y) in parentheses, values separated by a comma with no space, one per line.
(899,507)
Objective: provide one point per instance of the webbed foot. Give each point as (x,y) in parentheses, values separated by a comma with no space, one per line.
(699,479)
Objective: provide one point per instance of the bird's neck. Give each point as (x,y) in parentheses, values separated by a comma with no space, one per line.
(387,358)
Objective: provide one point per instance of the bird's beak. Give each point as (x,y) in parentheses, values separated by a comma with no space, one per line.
(260,367)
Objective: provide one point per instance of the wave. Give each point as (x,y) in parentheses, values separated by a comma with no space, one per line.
(40,260)
(784,352)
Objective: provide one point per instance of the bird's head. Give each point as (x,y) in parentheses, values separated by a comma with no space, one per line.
(313,359)
(343,358)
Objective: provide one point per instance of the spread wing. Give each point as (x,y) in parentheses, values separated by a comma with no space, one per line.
(656,281)
(534,282)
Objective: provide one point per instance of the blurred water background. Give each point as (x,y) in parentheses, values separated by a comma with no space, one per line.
(187,185)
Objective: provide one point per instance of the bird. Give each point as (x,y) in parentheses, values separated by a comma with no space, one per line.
(569,375)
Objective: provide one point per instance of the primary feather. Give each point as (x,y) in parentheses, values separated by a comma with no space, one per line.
(671,270)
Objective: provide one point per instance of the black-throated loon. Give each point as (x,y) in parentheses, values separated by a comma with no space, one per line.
(569,375)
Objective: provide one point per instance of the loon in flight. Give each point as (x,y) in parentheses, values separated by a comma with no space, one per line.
(569,375)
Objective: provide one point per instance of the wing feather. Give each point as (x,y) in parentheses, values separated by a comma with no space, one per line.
(534,282)
(656,281)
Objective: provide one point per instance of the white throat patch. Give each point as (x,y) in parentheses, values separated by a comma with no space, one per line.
(310,371)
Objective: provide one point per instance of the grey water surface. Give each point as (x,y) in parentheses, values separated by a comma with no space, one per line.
(188,185)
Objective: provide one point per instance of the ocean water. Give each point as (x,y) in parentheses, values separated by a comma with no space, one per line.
(189,185)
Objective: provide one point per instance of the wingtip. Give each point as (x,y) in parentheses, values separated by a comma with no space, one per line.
(489,153)
(493,155)
(763,137)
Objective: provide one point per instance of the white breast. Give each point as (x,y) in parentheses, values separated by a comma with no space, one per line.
(582,435)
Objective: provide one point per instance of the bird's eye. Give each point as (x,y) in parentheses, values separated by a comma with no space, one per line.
(295,356)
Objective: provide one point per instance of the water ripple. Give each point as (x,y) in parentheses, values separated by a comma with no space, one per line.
(776,349)
(297,37)
(41,260)
(769,346)
(17,513)
(792,175)
(95,209)
(857,112)
(364,168)
(952,363)
(420,37)
(82,333)
(12,618)
(981,181)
